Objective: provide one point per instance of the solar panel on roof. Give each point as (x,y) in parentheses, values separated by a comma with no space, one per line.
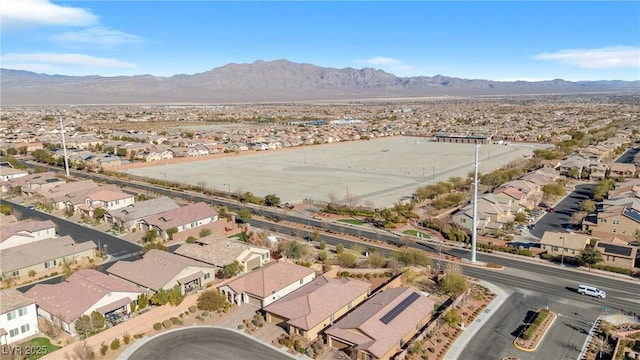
(399,308)
(632,214)
(616,249)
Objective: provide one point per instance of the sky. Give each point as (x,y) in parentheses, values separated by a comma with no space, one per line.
(498,40)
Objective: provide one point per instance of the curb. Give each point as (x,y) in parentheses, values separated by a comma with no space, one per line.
(555,316)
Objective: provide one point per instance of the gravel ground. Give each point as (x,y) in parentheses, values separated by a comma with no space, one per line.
(378,172)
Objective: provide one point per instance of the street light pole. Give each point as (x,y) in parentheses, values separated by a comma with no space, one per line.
(64,148)
(229,188)
(562,256)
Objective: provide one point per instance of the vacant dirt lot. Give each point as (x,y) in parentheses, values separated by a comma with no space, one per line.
(379,172)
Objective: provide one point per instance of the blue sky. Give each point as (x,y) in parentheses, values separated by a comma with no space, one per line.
(500,40)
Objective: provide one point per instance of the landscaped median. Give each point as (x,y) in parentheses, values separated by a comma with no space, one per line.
(532,336)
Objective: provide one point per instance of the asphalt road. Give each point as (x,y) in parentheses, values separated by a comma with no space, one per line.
(206,343)
(560,220)
(116,247)
(563,340)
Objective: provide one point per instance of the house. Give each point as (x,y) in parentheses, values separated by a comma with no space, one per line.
(221,252)
(180,219)
(618,253)
(35,182)
(18,317)
(25,232)
(82,293)
(163,270)
(380,327)
(267,284)
(107,199)
(43,255)
(130,216)
(490,216)
(58,195)
(622,170)
(568,243)
(312,308)
(8,173)
(619,220)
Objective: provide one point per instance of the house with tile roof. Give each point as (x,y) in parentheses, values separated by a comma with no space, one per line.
(267,284)
(43,255)
(129,217)
(107,199)
(620,221)
(618,253)
(221,252)
(58,195)
(8,173)
(163,270)
(568,243)
(182,219)
(312,308)
(24,232)
(622,170)
(18,316)
(35,182)
(82,293)
(378,328)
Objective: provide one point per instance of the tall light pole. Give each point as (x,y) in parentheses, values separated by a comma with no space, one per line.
(229,187)
(474,227)
(562,256)
(64,148)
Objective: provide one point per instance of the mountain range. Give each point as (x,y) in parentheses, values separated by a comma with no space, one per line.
(273,81)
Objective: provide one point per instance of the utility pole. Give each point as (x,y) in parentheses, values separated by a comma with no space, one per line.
(64,148)
(474,227)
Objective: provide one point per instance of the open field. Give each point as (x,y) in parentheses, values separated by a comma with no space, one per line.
(378,172)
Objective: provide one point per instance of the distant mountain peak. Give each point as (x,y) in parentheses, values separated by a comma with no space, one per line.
(273,81)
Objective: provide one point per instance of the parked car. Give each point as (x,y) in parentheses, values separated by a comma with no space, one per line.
(532,227)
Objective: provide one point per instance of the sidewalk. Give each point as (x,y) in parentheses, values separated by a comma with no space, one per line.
(469,332)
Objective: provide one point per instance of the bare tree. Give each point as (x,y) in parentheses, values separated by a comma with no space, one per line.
(81,351)
(333,198)
(352,200)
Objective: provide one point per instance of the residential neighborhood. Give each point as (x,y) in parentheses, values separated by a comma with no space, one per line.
(330,284)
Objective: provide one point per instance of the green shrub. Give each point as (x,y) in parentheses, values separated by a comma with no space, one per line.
(126,338)
(103,349)
(157,326)
(205,313)
(167,324)
(115,344)
(193,309)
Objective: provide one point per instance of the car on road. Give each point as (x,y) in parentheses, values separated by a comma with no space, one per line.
(591,291)
(532,227)
(551,210)
(31,208)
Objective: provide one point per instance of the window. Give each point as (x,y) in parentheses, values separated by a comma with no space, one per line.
(614,230)
(573,251)
(50,264)
(332,317)
(22,311)
(207,275)
(350,306)
(301,281)
(24,328)
(554,248)
(463,220)
(16,273)
(13,332)
(615,222)
(11,315)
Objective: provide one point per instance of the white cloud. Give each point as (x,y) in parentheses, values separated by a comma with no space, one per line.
(26,13)
(49,59)
(379,60)
(602,58)
(394,66)
(100,36)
